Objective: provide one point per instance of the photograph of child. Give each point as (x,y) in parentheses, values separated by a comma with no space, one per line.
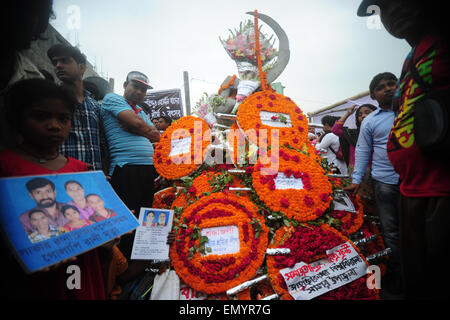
(43,231)
(100,212)
(73,215)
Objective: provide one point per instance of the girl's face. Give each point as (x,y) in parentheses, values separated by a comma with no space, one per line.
(75,191)
(46,123)
(40,221)
(150,217)
(96,203)
(72,215)
(362,113)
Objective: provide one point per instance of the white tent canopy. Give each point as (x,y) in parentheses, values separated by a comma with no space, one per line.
(340,108)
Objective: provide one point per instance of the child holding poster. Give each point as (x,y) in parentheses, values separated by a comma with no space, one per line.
(39,113)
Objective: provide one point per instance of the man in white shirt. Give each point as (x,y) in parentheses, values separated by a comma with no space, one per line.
(329,145)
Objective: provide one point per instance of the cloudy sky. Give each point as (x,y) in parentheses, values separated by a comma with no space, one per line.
(334,53)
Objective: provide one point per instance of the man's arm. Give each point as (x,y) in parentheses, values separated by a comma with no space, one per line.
(363,152)
(131,122)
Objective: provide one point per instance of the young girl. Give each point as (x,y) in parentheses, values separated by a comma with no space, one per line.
(75,220)
(39,113)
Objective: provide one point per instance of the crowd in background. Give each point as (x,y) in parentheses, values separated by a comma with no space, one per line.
(48,127)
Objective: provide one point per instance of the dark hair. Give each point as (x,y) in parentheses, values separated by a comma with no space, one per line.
(93,194)
(329,120)
(381,76)
(33,211)
(23,94)
(167,119)
(39,183)
(24,21)
(67,207)
(67,51)
(367,105)
(72,181)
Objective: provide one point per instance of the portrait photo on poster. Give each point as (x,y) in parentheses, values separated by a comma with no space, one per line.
(50,218)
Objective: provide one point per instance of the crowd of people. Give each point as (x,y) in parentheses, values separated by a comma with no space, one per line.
(49,128)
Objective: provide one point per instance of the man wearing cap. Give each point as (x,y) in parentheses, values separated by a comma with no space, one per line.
(130,135)
(86,135)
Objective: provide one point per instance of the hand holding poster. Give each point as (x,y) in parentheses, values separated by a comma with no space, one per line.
(47,219)
(307,281)
(150,242)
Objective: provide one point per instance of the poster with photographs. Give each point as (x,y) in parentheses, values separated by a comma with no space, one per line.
(49,218)
(150,241)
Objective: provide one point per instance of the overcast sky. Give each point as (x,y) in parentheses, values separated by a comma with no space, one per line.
(334,53)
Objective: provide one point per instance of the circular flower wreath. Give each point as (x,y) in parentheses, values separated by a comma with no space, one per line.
(350,221)
(218,273)
(304,204)
(248,118)
(309,244)
(164,198)
(184,164)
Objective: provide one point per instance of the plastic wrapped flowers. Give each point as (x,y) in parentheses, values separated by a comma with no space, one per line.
(241,47)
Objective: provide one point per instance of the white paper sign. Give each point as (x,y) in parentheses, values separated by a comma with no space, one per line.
(222,240)
(180,146)
(282,182)
(150,241)
(273,119)
(307,281)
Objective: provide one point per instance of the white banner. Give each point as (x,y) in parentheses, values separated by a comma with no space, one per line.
(307,281)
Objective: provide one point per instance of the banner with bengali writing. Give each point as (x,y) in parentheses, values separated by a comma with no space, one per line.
(307,281)
(165,103)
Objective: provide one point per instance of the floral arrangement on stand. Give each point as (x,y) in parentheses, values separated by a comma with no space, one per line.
(180,149)
(282,199)
(217,273)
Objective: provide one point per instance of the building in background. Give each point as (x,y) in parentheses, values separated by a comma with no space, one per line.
(338,109)
(37,53)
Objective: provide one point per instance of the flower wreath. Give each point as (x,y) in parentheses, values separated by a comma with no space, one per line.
(302,205)
(164,198)
(181,165)
(217,273)
(309,244)
(249,119)
(350,221)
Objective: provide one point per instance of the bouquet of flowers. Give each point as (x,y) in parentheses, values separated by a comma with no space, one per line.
(204,108)
(241,47)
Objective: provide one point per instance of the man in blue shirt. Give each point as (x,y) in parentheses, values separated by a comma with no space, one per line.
(130,135)
(372,140)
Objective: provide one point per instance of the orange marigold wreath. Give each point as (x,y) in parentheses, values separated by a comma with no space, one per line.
(309,244)
(181,165)
(302,205)
(282,107)
(217,273)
